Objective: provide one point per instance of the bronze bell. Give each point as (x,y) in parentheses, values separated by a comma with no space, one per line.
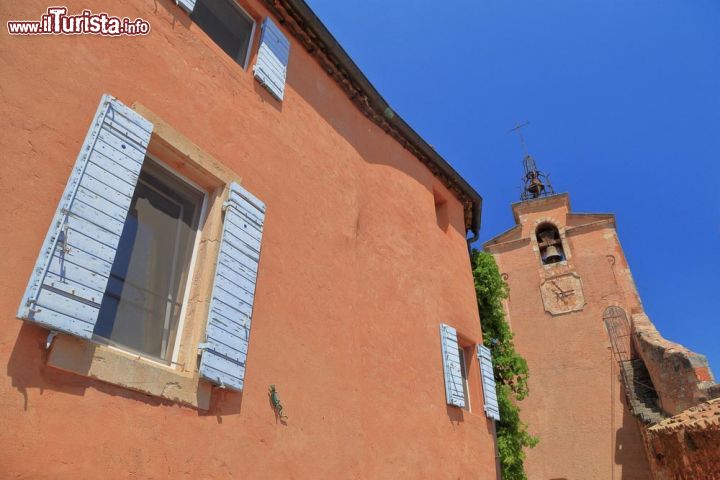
(552,255)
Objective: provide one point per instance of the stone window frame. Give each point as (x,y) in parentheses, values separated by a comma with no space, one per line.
(180,381)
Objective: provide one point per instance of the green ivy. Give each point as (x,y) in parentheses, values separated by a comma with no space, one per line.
(511,370)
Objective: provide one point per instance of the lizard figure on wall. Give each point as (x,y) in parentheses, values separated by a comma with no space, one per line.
(275,400)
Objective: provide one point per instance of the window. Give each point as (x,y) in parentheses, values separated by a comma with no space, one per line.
(118,265)
(143,300)
(228,25)
(463,375)
(463,372)
(550,244)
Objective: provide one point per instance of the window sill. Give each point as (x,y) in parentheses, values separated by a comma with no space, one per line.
(549,266)
(128,371)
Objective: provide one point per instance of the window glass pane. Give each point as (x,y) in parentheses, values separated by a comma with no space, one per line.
(141,306)
(226,24)
(463,370)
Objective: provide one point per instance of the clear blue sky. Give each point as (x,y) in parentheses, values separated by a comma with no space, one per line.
(624,103)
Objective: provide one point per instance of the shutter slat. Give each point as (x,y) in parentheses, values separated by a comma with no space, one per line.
(71,273)
(73,287)
(101,204)
(107,193)
(251,213)
(118,180)
(271,66)
(246,227)
(77,224)
(96,217)
(227,324)
(237,300)
(247,255)
(139,125)
(454,388)
(230,286)
(246,282)
(237,340)
(233,373)
(272,60)
(67,305)
(242,259)
(82,241)
(224,351)
(241,236)
(131,133)
(70,324)
(116,164)
(492,409)
(250,203)
(228,317)
(109,141)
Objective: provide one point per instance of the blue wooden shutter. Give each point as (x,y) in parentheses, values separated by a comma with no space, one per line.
(230,313)
(187,5)
(69,279)
(492,409)
(454,393)
(271,66)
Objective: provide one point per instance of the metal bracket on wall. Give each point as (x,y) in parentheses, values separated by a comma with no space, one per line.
(51,336)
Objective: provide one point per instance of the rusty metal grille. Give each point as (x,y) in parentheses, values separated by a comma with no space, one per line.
(639,389)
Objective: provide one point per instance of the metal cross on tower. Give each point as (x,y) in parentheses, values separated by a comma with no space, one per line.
(535,183)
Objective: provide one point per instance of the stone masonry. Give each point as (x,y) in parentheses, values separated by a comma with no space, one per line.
(687,446)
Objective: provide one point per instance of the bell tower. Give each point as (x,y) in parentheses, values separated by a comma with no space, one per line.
(565,270)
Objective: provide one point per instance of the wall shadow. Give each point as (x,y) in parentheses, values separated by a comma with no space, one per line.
(27,366)
(266,97)
(629,446)
(179,16)
(360,132)
(28,369)
(455,414)
(223,402)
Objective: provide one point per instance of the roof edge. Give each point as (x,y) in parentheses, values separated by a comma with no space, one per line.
(302,22)
(500,237)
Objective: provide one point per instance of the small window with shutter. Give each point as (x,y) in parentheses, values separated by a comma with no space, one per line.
(229,26)
(492,409)
(453,367)
(272,60)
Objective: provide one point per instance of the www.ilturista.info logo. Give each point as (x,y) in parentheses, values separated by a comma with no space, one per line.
(56,21)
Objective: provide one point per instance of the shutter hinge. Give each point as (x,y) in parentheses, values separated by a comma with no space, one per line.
(203,345)
(32,309)
(227,205)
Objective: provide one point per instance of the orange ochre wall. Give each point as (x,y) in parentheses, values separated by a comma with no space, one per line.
(576,404)
(355,274)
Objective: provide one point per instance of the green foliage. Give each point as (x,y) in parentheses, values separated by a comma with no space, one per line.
(511,370)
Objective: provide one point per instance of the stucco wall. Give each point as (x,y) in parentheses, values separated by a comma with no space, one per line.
(355,274)
(576,403)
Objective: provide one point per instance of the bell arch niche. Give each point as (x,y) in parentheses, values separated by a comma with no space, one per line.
(550,244)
